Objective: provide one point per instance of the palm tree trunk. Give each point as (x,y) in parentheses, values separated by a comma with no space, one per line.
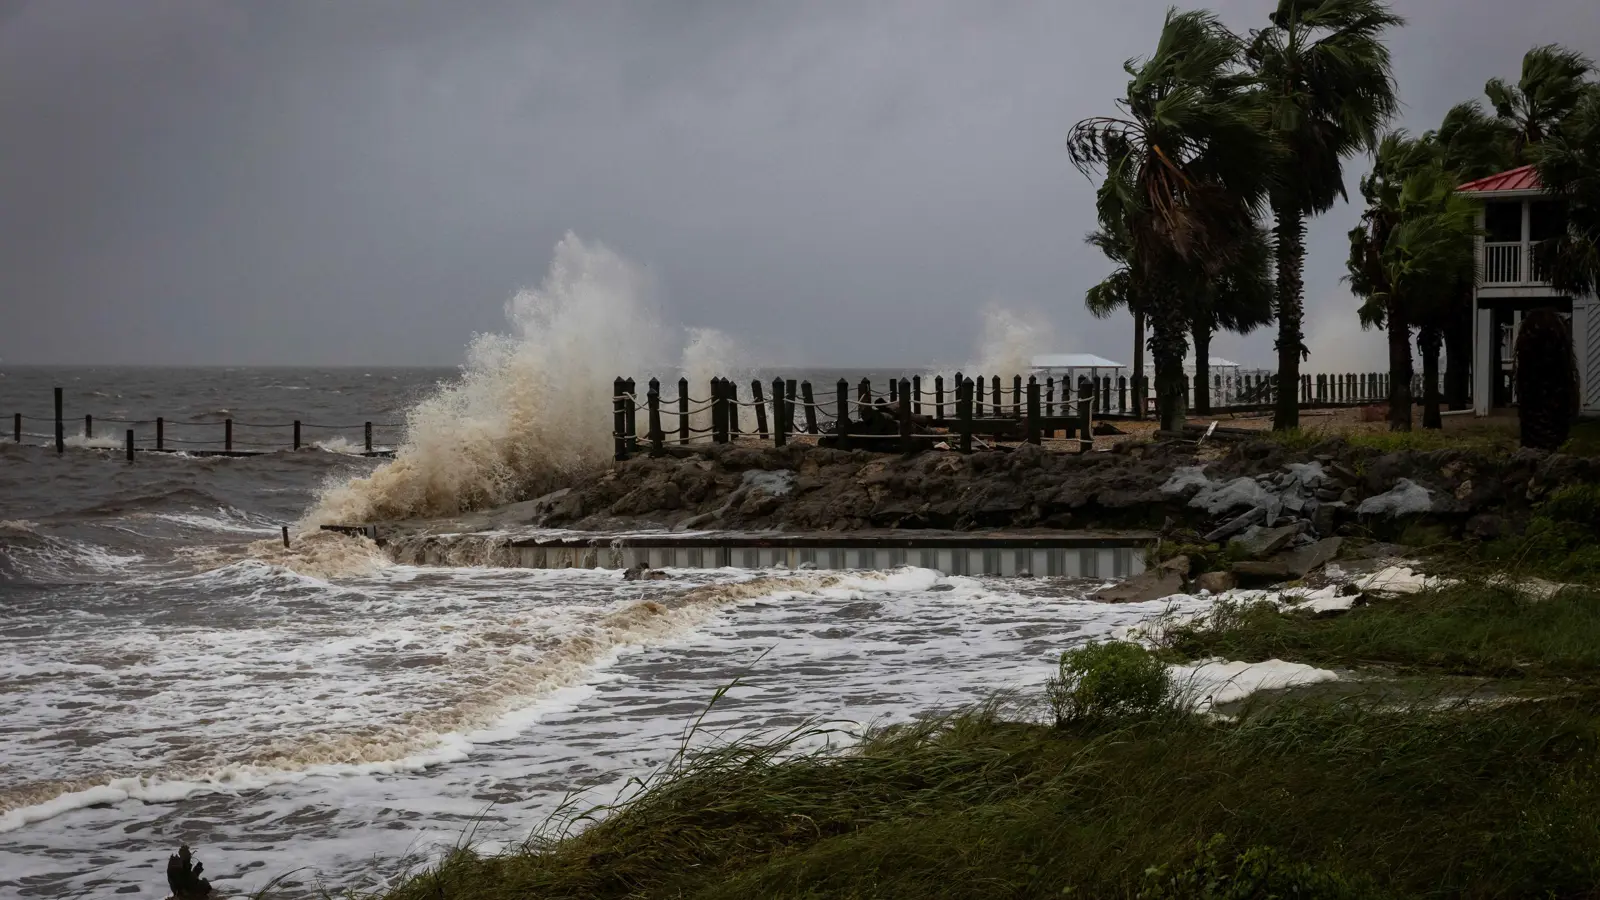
(1138,389)
(1202,369)
(1431,340)
(1290,233)
(1458,356)
(1168,341)
(1399,366)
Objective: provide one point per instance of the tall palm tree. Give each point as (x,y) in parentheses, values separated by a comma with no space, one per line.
(1409,259)
(1551,85)
(1325,72)
(1116,292)
(1183,176)
(1473,144)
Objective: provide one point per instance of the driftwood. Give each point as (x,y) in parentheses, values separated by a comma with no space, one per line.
(183,876)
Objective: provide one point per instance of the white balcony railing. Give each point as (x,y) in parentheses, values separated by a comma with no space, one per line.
(1510,263)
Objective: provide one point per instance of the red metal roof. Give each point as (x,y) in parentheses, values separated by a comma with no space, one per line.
(1522,178)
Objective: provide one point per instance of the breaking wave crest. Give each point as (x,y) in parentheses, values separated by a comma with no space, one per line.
(532,408)
(489,703)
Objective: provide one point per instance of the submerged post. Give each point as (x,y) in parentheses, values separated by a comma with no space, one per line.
(1034,435)
(683,410)
(938,398)
(88,427)
(227,435)
(811,407)
(16,427)
(61,433)
(619,426)
(369,436)
(296,434)
(907,445)
(653,399)
(761,409)
(128,444)
(285,537)
(842,416)
(161,434)
(964,413)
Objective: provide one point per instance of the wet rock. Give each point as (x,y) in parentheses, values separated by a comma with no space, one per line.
(1259,542)
(1216,582)
(1235,525)
(1486,526)
(643,572)
(1290,566)
(1151,585)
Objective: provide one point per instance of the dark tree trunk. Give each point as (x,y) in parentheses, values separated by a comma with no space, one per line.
(1168,342)
(1290,233)
(1431,341)
(1546,380)
(1458,355)
(1399,367)
(1202,369)
(1138,390)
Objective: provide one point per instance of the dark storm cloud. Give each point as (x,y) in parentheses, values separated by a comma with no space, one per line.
(312,182)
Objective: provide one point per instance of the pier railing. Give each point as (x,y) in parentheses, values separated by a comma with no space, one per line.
(202,437)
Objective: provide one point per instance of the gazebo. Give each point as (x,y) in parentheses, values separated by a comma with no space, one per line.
(1072,366)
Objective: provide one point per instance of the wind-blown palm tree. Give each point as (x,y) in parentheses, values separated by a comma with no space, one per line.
(1325,72)
(1116,292)
(1183,177)
(1552,83)
(1409,259)
(1568,163)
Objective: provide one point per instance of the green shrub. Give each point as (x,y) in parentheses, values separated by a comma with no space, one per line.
(1259,873)
(1109,681)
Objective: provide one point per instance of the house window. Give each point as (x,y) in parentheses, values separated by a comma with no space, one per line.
(1502,222)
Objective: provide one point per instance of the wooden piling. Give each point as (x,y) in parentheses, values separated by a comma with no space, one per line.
(994,380)
(780,415)
(16,427)
(61,432)
(863,397)
(128,444)
(286,533)
(619,424)
(908,445)
(227,435)
(761,409)
(296,434)
(977,402)
(938,398)
(632,403)
(161,434)
(964,407)
(1085,416)
(653,400)
(894,391)
(683,410)
(916,395)
(842,413)
(88,427)
(1016,396)
(368,430)
(733,406)
(789,395)
(811,407)
(718,435)
(1034,432)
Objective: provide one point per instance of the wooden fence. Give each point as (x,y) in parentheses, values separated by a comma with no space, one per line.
(914,410)
(199,437)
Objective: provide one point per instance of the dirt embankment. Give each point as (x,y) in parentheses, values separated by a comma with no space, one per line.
(1353,489)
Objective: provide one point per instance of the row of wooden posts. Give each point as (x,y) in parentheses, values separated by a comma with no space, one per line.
(1033,407)
(161,435)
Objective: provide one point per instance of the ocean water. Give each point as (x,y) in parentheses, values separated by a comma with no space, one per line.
(169,673)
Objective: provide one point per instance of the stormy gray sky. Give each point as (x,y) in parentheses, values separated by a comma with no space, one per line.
(367,181)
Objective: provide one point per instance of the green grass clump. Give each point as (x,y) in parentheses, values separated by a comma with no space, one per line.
(1492,441)
(1561,540)
(1116,680)
(1316,799)
(1468,629)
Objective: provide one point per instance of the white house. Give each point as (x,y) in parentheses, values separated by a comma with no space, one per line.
(1516,215)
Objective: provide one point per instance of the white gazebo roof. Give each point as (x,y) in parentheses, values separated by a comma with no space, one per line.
(1074,361)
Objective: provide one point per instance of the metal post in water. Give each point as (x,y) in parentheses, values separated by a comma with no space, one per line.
(297,434)
(16,427)
(88,427)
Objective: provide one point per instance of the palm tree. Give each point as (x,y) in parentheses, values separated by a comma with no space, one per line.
(1114,293)
(1568,163)
(1474,145)
(1552,83)
(1183,177)
(1409,259)
(1325,72)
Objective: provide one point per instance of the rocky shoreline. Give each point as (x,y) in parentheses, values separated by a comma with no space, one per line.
(1212,493)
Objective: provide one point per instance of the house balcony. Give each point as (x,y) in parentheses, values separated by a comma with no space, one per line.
(1510,264)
